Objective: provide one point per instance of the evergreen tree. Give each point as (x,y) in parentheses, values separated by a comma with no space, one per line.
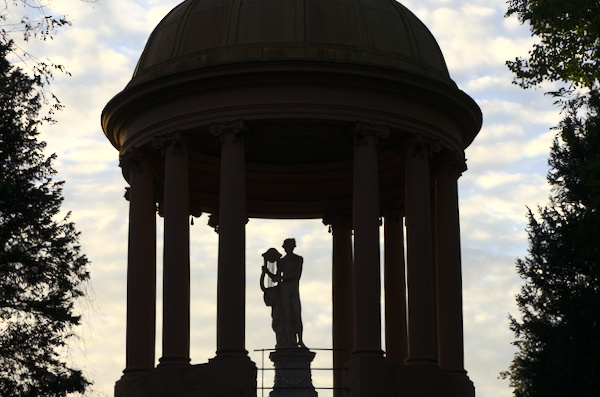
(558,337)
(42,270)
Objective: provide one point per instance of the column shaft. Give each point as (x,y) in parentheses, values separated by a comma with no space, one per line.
(176,265)
(367,283)
(396,342)
(141,269)
(231,284)
(421,307)
(449,286)
(343,322)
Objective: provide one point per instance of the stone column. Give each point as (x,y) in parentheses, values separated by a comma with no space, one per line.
(449,280)
(421,305)
(176,263)
(342,272)
(141,264)
(367,283)
(396,343)
(231,282)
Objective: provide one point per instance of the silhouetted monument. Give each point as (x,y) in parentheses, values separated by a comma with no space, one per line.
(291,357)
(284,297)
(336,110)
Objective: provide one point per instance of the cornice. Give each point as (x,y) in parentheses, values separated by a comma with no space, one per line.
(441,97)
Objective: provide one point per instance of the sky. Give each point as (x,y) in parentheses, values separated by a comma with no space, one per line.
(507,169)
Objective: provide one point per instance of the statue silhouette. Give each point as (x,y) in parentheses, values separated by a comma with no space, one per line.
(284,297)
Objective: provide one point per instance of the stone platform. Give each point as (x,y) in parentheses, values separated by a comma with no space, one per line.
(220,377)
(292,373)
(370,376)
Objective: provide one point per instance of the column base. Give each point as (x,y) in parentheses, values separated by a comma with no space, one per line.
(173,361)
(221,377)
(234,353)
(378,377)
(422,362)
(292,373)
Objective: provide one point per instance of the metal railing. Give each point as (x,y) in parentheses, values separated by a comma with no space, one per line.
(262,369)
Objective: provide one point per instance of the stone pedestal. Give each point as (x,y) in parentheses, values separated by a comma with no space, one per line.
(220,377)
(292,373)
(373,376)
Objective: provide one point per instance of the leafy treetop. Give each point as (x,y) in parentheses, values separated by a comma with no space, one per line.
(569,42)
(32,19)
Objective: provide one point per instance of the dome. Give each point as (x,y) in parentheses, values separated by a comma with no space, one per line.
(300,76)
(202,33)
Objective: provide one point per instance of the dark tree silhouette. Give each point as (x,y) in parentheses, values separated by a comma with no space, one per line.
(558,334)
(42,271)
(568,47)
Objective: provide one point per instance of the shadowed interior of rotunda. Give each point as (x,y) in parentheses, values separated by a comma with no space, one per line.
(340,110)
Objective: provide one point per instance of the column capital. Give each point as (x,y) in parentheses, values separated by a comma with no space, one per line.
(418,144)
(362,130)
(453,162)
(195,212)
(213,221)
(128,158)
(175,140)
(133,157)
(338,220)
(238,128)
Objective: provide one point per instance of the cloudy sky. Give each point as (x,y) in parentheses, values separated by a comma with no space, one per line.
(507,168)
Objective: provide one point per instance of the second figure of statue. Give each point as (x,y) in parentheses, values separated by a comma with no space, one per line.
(284,296)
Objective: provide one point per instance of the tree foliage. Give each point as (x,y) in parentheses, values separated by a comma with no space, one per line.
(558,334)
(558,337)
(30,17)
(42,270)
(24,20)
(569,42)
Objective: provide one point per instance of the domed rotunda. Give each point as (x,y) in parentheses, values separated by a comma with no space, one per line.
(340,110)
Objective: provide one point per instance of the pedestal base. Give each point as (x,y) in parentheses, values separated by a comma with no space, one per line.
(221,377)
(292,373)
(377,377)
